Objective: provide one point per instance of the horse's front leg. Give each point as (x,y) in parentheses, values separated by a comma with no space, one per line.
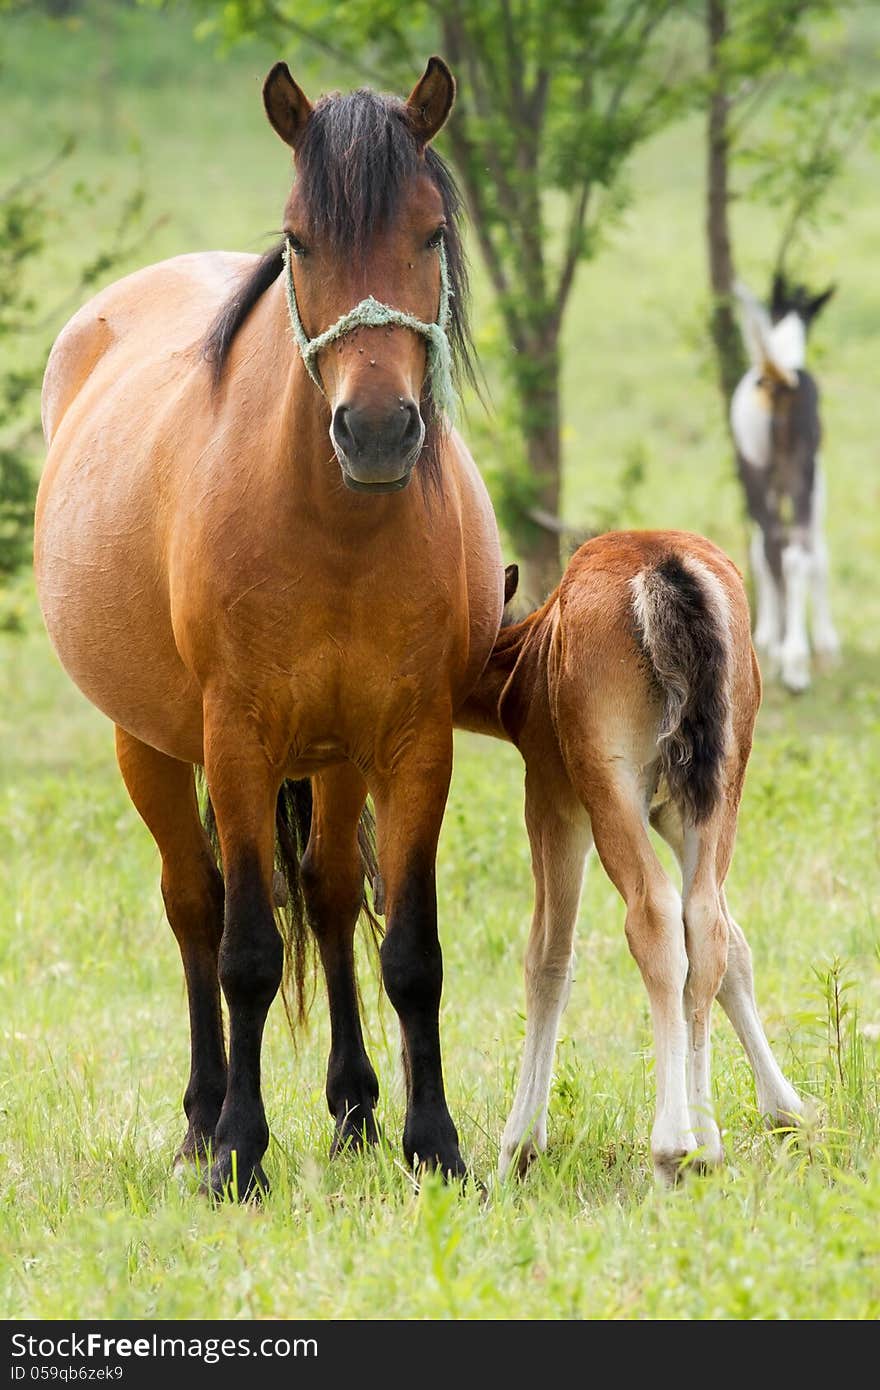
(244,788)
(409,810)
(163,790)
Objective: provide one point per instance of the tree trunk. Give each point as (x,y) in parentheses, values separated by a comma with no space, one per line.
(729,353)
(537,386)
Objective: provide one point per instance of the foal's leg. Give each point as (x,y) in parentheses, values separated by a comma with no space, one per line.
(163,791)
(777,1098)
(409,809)
(244,790)
(706,942)
(736,994)
(656,936)
(706,945)
(333,880)
(825,640)
(768,599)
(795,653)
(559,834)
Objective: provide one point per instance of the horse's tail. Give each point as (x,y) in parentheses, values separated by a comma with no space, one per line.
(682,625)
(293,819)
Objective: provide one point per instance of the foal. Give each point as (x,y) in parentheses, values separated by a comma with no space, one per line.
(632,695)
(774,416)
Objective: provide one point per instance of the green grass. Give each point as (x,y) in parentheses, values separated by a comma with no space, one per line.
(92,1006)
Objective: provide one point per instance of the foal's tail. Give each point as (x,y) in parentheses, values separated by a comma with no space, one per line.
(681,619)
(293,819)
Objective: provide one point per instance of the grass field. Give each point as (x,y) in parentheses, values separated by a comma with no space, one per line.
(92,1005)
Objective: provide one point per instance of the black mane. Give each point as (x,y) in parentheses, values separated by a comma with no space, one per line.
(356,156)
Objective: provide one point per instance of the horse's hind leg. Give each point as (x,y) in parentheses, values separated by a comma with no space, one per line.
(656,937)
(163,791)
(826,643)
(736,994)
(705,924)
(777,1098)
(768,620)
(333,882)
(559,834)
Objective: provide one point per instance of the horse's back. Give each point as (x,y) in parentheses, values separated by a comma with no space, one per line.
(164,308)
(605,563)
(603,686)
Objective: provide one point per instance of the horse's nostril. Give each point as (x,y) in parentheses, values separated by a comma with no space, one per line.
(413,430)
(368,436)
(340,429)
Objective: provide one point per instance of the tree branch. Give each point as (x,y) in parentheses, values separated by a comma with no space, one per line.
(518,201)
(514,56)
(572,251)
(753,101)
(463,54)
(726,339)
(513,320)
(581,200)
(536,101)
(617,34)
(812,191)
(37,175)
(86,280)
(352,58)
(652,20)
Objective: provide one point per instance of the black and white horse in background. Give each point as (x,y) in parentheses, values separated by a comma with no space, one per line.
(775,421)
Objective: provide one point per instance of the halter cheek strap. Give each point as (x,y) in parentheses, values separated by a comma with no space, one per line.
(370,313)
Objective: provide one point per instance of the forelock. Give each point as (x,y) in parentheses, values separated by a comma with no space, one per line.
(354,161)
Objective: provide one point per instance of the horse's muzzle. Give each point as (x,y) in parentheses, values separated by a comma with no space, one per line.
(377,451)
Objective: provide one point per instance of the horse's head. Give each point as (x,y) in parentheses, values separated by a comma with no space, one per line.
(788,298)
(373,248)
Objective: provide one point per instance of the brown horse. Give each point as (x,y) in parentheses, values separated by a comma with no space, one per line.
(632,695)
(231,594)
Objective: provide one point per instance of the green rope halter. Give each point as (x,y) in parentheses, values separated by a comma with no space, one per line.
(370,313)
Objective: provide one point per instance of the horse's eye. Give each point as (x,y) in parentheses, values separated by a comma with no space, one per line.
(296,245)
(435,239)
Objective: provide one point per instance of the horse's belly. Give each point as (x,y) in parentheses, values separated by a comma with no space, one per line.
(112,653)
(108,618)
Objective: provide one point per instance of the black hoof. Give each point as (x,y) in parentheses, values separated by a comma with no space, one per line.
(431,1144)
(230,1180)
(196,1150)
(354,1129)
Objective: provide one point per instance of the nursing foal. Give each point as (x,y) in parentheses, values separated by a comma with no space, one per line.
(632,695)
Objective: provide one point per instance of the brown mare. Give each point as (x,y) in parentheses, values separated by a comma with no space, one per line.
(232,595)
(632,695)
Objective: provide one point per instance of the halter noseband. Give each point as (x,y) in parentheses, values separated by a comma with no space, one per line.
(370,313)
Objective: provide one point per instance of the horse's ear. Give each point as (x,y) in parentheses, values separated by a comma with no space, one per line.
(778,295)
(430,101)
(287,105)
(817,304)
(511,582)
